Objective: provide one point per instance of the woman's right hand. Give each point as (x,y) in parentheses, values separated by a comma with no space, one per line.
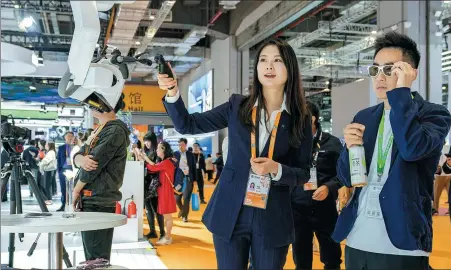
(164,82)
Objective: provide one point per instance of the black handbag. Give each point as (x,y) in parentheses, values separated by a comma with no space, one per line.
(153,184)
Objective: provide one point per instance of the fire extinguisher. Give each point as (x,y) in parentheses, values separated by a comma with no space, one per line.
(131,209)
(118,208)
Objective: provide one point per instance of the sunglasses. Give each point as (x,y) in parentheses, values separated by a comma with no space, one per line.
(374,71)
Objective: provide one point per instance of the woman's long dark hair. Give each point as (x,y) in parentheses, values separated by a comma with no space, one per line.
(152,138)
(168,153)
(295,99)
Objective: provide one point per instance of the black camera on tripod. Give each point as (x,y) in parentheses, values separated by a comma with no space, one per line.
(13,137)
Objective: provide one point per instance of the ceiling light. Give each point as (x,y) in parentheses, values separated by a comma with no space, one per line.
(374,32)
(44,81)
(16,6)
(171,3)
(138,43)
(26,22)
(151,17)
(32,87)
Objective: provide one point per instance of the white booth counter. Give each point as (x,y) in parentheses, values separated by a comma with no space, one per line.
(133,185)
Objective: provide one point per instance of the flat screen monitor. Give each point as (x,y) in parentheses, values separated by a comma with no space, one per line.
(200,94)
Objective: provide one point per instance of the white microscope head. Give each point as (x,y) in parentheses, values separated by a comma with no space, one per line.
(101,89)
(98,85)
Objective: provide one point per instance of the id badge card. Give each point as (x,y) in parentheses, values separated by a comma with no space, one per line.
(373,207)
(68,161)
(197,165)
(312,184)
(257,190)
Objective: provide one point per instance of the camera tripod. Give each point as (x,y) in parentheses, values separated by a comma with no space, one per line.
(15,171)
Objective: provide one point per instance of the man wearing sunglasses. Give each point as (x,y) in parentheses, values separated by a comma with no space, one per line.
(387,223)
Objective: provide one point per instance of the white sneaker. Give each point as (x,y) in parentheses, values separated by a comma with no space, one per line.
(164,241)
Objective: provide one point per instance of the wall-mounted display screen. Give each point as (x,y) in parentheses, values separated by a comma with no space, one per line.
(200,94)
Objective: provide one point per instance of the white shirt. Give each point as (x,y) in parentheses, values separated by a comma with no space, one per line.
(370,234)
(183,164)
(225,149)
(263,131)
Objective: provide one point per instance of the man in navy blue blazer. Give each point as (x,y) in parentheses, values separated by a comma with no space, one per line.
(64,163)
(187,164)
(387,224)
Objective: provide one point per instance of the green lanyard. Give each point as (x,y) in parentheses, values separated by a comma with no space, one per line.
(382,155)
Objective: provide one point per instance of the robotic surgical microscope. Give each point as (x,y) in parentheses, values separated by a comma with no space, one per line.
(98,82)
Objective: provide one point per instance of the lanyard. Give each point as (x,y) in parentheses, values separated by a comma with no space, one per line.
(315,157)
(273,135)
(382,155)
(94,140)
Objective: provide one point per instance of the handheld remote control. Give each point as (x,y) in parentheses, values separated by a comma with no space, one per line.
(163,67)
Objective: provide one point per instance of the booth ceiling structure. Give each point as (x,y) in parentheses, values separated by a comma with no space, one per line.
(333,39)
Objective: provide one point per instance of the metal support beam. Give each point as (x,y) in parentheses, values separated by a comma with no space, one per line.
(280,16)
(55,26)
(350,28)
(335,74)
(354,13)
(35,6)
(319,85)
(47,42)
(164,10)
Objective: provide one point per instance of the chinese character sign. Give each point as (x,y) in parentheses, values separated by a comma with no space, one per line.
(143,98)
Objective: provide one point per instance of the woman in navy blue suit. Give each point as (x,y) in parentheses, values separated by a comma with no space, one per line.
(274,153)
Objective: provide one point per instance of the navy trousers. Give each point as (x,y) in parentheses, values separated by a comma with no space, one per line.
(247,236)
(62,180)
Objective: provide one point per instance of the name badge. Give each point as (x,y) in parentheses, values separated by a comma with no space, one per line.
(68,161)
(312,184)
(197,165)
(257,190)
(373,207)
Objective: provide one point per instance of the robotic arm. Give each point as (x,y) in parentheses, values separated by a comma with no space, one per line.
(97,83)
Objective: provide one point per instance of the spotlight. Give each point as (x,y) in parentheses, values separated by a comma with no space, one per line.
(26,22)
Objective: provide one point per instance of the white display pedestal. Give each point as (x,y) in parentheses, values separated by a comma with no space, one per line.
(133,185)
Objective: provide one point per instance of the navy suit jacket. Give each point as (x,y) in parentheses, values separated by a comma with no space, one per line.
(61,157)
(419,131)
(191,163)
(222,212)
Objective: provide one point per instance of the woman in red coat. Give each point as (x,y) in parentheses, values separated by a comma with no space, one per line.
(166,199)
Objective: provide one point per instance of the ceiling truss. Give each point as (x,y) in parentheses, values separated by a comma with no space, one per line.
(358,11)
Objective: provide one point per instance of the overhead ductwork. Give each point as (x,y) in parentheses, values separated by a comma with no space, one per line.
(164,10)
(128,18)
(191,39)
(356,12)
